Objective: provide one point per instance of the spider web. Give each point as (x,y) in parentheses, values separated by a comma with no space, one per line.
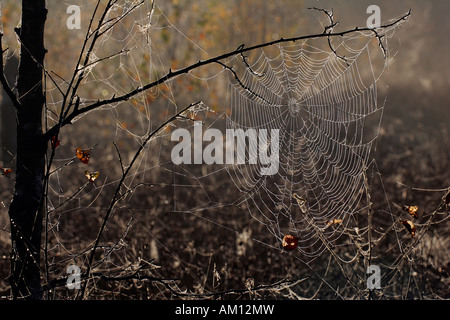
(326,108)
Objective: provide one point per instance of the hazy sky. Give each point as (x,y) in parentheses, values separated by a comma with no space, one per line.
(422,42)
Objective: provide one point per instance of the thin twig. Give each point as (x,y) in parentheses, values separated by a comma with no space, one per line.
(120,157)
(241,84)
(328,30)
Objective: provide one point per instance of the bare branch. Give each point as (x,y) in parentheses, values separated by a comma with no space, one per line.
(330,17)
(116,20)
(240,82)
(329,29)
(120,158)
(244,59)
(240,50)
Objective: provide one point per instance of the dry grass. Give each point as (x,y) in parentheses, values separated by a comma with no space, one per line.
(223,253)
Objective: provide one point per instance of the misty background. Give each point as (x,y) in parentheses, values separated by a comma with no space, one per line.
(413,149)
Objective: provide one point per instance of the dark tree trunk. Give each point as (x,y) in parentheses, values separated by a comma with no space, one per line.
(25,210)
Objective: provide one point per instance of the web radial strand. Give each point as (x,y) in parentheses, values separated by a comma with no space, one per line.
(325,108)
